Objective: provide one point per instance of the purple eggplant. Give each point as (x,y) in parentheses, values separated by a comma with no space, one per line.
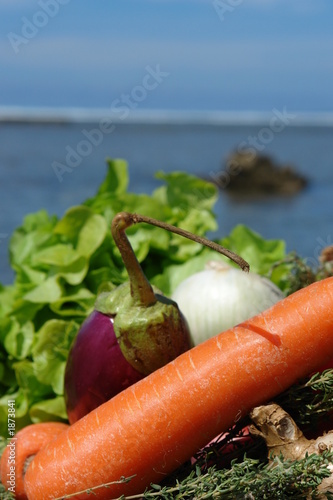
(96,369)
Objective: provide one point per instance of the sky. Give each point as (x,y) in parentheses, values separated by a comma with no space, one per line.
(224,55)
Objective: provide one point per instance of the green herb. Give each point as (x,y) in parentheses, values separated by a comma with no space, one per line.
(251,479)
(294,273)
(246,480)
(310,401)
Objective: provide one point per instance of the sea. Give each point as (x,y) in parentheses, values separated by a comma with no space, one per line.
(35,143)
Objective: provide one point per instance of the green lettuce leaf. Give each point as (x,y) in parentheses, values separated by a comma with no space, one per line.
(260,253)
(50,350)
(49,409)
(16,339)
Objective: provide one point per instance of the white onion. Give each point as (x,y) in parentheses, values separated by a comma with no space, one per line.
(222,296)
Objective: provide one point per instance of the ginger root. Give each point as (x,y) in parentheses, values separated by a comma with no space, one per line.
(282,436)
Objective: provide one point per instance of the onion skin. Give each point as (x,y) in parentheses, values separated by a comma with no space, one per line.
(96,368)
(220,296)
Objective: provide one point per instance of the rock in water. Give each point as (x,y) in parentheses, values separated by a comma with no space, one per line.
(253,174)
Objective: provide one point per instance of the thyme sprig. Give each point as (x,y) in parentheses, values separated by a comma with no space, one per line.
(249,480)
(299,273)
(309,401)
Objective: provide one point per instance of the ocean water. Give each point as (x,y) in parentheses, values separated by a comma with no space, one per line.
(29,148)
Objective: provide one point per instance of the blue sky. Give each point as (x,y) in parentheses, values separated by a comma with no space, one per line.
(214,54)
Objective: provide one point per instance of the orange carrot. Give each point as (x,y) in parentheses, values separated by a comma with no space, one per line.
(26,443)
(154,426)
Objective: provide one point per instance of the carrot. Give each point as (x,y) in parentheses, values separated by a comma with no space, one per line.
(26,443)
(154,426)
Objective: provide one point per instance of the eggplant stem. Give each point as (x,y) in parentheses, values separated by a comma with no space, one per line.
(245,266)
(137,218)
(141,289)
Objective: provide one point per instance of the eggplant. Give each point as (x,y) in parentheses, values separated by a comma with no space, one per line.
(96,369)
(133,330)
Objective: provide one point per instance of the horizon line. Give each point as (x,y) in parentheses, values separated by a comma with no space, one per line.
(63,115)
